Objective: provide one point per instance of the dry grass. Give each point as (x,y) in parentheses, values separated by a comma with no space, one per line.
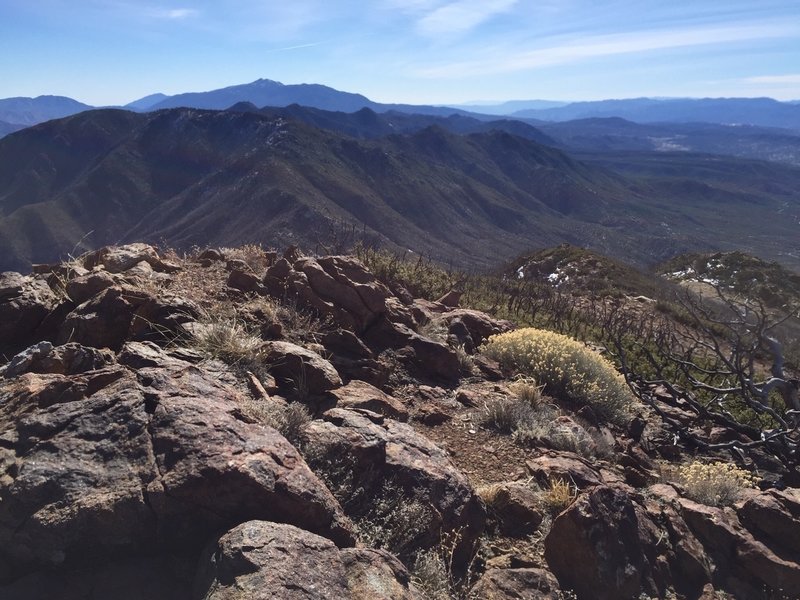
(225,337)
(254,255)
(288,419)
(506,415)
(559,495)
(527,390)
(434,575)
(465,362)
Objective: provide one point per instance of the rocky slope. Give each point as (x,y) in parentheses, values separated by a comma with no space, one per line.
(241,424)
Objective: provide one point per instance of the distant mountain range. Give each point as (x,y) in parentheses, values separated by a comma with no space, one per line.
(763,112)
(30,111)
(453,188)
(507,108)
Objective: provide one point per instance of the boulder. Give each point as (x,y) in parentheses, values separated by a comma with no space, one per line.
(69,359)
(739,557)
(306,372)
(516,507)
(360,394)
(566,466)
(603,547)
(112,463)
(263,560)
(374,450)
(81,289)
(773,516)
(428,357)
(119,313)
(117,259)
(473,327)
(25,303)
(517,584)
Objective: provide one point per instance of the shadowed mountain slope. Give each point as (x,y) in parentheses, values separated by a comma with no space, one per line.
(189,177)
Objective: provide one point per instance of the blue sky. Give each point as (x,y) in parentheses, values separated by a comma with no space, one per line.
(415,51)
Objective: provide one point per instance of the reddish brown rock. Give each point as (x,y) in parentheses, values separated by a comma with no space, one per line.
(81,289)
(517,584)
(565,466)
(25,303)
(604,547)
(516,507)
(305,372)
(117,259)
(359,394)
(108,463)
(378,450)
(262,560)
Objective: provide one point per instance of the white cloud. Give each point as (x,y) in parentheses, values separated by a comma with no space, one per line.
(564,52)
(460,16)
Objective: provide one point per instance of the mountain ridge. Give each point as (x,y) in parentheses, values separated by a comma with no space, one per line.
(190,176)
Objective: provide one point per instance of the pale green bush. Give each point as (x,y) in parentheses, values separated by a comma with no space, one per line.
(715,484)
(567,369)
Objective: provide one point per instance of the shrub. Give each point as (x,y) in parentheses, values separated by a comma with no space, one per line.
(715,484)
(289,419)
(549,431)
(565,367)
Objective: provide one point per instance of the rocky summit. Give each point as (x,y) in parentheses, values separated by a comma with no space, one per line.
(241,423)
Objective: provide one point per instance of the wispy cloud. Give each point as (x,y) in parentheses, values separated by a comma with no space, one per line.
(298,47)
(461,16)
(564,52)
(172,14)
(774,79)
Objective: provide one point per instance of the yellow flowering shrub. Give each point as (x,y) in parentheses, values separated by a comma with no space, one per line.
(715,484)
(565,367)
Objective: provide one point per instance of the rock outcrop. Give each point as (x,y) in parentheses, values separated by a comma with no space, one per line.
(135,464)
(111,462)
(262,560)
(372,450)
